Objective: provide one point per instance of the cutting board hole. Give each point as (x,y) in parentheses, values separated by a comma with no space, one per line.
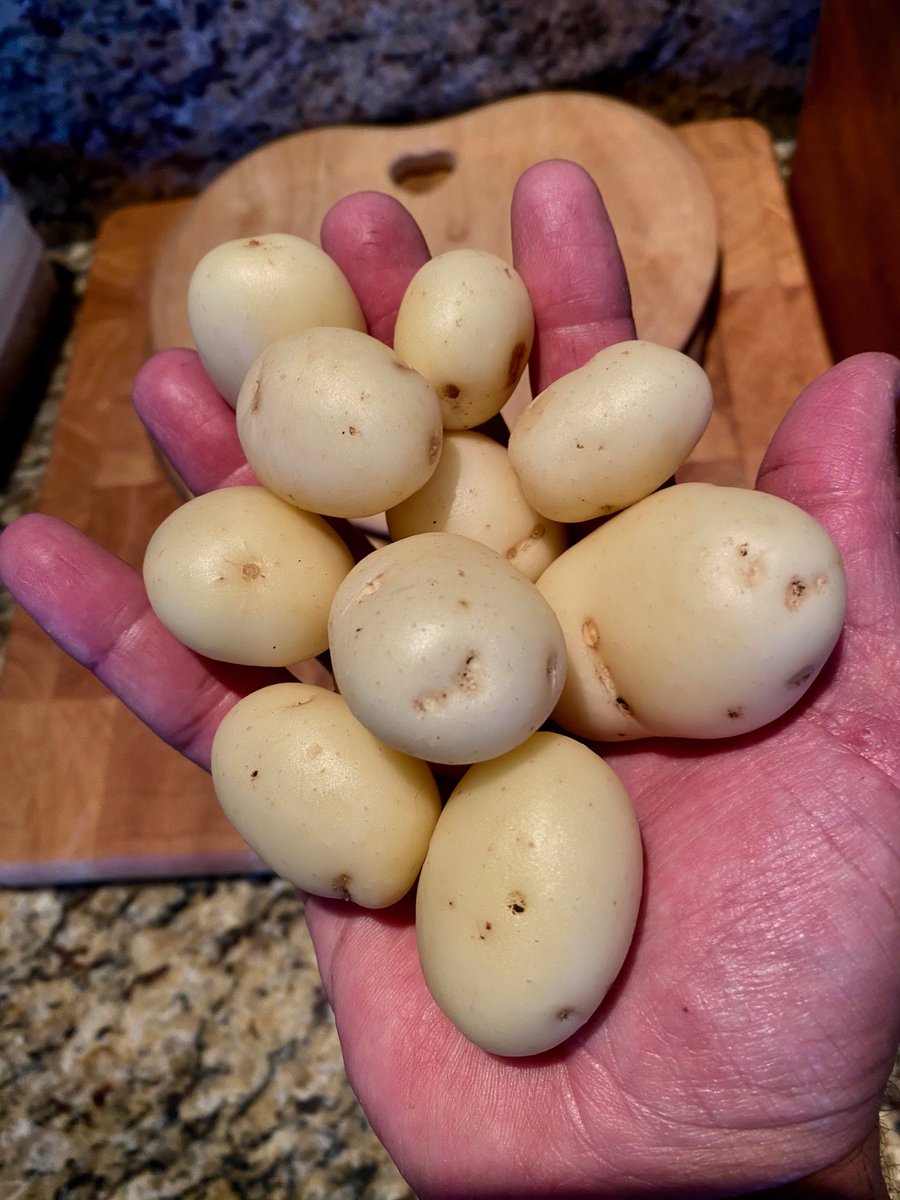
(422,172)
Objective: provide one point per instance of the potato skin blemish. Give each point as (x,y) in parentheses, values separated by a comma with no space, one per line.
(795,593)
(342,886)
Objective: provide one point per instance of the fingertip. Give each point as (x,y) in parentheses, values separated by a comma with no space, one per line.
(27,545)
(368,216)
(163,377)
(53,571)
(379,247)
(189,421)
(550,178)
(838,437)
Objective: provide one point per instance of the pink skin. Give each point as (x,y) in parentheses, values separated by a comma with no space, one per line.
(749,1037)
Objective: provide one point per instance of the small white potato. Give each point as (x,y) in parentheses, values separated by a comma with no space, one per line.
(611,432)
(466,323)
(320,799)
(249,292)
(701,612)
(527,902)
(332,421)
(243,577)
(474,491)
(444,650)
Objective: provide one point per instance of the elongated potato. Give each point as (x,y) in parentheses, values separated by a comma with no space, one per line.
(701,612)
(611,432)
(320,799)
(528,898)
(474,491)
(332,421)
(241,576)
(249,292)
(444,650)
(465,322)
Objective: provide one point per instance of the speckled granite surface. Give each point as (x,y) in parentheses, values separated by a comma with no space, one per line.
(173,1040)
(101,104)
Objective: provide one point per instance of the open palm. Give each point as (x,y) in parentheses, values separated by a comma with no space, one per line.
(749,1036)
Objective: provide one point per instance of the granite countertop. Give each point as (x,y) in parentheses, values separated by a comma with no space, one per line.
(172,1039)
(104,105)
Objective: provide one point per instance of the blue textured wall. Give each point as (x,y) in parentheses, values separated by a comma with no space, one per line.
(115,100)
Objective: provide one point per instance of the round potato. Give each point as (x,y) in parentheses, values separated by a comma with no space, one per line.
(465,322)
(332,421)
(611,432)
(701,612)
(249,292)
(444,650)
(474,492)
(528,898)
(243,577)
(320,799)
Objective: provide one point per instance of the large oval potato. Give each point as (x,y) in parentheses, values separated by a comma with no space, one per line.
(466,323)
(702,611)
(611,432)
(247,293)
(332,421)
(320,799)
(444,650)
(474,492)
(528,898)
(243,577)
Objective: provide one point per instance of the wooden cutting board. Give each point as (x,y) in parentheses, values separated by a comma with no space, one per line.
(456,176)
(86,793)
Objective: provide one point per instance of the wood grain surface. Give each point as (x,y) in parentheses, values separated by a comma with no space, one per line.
(86,793)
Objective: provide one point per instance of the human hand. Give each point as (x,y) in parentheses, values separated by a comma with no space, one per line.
(750,1034)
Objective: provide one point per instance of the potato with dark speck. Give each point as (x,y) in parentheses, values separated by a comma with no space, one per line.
(702,612)
(248,292)
(444,649)
(474,491)
(466,323)
(527,902)
(243,577)
(331,420)
(611,432)
(320,799)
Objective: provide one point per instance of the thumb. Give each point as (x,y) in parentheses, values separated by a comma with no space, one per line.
(835,456)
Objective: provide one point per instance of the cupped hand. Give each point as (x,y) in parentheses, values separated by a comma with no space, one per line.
(750,1034)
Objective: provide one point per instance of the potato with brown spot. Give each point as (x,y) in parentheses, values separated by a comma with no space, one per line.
(474,491)
(702,621)
(611,432)
(466,323)
(249,292)
(443,649)
(529,895)
(320,799)
(328,423)
(241,576)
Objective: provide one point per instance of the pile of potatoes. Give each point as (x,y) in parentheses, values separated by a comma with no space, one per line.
(690,610)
